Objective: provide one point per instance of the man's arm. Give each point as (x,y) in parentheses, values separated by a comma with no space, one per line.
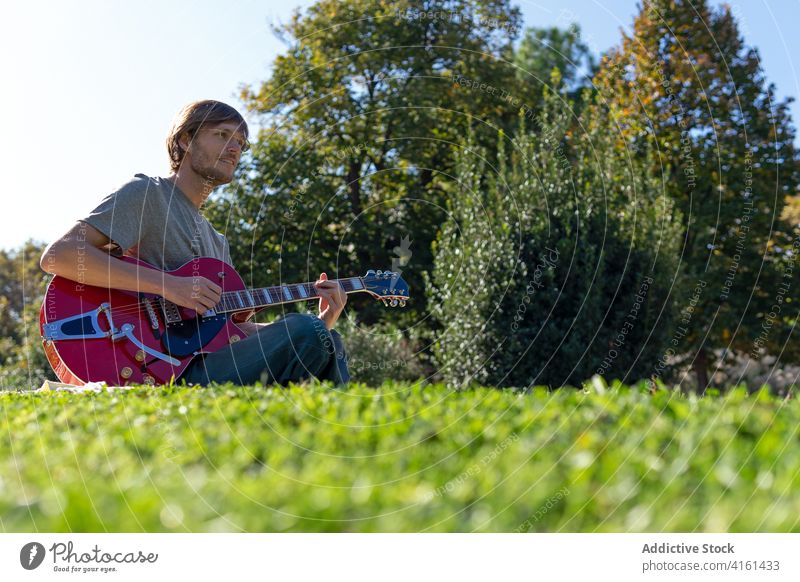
(77,256)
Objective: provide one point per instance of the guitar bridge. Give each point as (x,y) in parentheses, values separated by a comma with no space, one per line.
(151,313)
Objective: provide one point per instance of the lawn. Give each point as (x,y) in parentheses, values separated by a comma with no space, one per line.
(401,457)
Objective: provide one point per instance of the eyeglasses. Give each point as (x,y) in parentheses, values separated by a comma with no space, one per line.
(226,136)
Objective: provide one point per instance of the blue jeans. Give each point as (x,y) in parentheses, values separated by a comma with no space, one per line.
(294,348)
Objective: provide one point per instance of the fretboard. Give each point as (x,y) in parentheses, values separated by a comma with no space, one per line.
(264,296)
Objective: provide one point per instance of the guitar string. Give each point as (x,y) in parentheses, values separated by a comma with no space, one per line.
(130,310)
(138,307)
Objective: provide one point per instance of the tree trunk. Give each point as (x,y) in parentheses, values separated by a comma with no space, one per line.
(701,370)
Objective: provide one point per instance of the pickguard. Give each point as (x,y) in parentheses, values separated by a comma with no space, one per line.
(190,335)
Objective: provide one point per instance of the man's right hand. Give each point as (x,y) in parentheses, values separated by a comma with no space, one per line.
(196,293)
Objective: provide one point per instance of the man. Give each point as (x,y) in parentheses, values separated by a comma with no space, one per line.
(158,220)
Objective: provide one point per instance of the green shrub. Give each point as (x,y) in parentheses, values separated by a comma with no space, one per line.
(381,353)
(557,264)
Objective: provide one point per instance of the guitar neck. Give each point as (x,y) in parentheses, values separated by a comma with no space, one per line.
(246,299)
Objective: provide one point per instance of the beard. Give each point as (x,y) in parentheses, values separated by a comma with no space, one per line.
(214,171)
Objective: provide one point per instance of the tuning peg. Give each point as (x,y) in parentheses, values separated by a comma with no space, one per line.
(371,272)
(385,302)
(378,272)
(394,303)
(402,303)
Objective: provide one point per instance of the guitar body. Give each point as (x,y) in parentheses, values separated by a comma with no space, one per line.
(151,342)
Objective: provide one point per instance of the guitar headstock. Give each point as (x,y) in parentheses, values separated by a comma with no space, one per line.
(387,286)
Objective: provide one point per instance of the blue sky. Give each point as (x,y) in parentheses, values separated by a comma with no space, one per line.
(90,87)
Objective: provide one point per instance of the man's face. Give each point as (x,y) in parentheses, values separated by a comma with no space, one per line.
(215,151)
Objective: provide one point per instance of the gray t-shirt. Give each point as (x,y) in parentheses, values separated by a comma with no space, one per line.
(152,219)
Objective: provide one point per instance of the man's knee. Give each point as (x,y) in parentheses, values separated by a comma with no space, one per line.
(311,329)
(338,343)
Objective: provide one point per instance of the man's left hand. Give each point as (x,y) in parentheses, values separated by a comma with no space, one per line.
(332,299)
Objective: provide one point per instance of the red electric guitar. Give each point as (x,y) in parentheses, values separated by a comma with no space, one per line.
(94,334)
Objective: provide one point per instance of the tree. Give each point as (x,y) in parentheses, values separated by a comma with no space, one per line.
(791,213)
(686,83)
(543,49)
(22,360)
(559,262)
(358,120)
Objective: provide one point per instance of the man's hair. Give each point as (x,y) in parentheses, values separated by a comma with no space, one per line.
(195,116)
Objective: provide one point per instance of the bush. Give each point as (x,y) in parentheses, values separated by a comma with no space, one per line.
(558,265)
(380,353)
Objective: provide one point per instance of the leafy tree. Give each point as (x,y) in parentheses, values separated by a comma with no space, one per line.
(22,360)
(543,49)
(559,265)
(791,213)
(358,117)
(686,83)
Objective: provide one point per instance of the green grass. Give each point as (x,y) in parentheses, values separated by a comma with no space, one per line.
(398,458)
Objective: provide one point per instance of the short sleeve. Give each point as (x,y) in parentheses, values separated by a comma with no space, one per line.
(226,252)
(120,215)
